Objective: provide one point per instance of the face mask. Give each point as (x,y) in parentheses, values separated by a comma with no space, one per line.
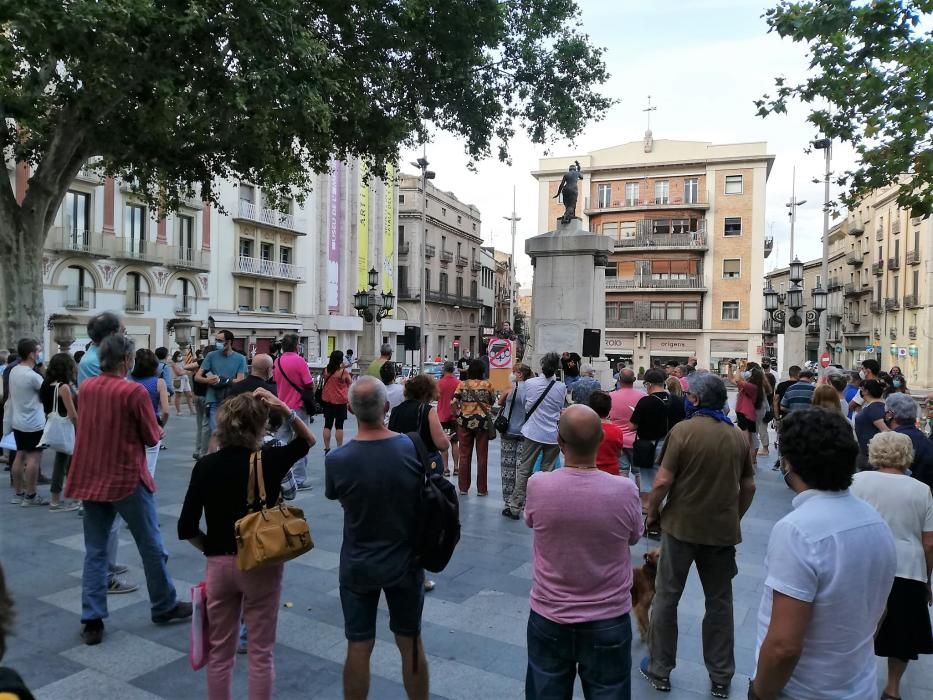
(219,345)
(861,374)
(40,357)
(746,375)
(897,383)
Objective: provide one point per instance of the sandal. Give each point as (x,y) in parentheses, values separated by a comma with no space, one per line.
(885,696)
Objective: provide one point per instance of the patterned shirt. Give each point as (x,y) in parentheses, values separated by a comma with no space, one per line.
(115,424)
(475,396)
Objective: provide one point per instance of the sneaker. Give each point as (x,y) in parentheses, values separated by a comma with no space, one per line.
(162,447)
(80,510)
(119,569)
(304,486)
(34,500)
(507,512)
(719,690)
(116,586)
(17,498)
(63,507)
(93,632)
(662,683)
(181,611)
(429,585)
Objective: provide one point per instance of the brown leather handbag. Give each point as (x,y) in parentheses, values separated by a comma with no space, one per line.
(268,535)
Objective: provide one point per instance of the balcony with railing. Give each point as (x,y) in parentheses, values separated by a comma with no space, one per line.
(139,249)
(89,172)
(476,266)
(64,239)
(462,261)
(875,306)
(894,264)
(185,305)
(879,234)
(650,237)
(856,230)
(136,302)
(447,256)
(700,201)
(258,267)
(895,227)
(271,217)
(79,298)
(877,268)
(834,310)
(649,281)
(852,289)
(438,297)
(429,250)
(913,257)
(834,283)
(854,259)
(404,248)
(912,332)
(912,301)
(187,258)
(892,304)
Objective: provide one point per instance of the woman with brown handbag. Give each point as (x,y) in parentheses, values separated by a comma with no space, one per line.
(218,488)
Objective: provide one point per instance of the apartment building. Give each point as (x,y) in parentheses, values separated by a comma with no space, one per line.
(451,272)
(107,250)
(881,297)
(688,223)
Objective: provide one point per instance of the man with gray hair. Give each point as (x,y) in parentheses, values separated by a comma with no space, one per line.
(585,385)
(707,477)
(903,411)
(377,478)
(385,354)
(109,474)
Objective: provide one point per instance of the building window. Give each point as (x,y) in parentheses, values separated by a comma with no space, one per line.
(897,249)
(443,211)
(474,225)
(474,291)
(661,226)
(134,227)
(443,287)
(459,219)
(76,217)
(691,190)
(916,282)
(401,235)
(246,248)
(265,251)
(459,250)
(657,311)
(459,286)
(611,229)
(631,194)
(896,281)
(730,311)
(245,298)
(733,226)
(683,225)
(443,244)
(285,302)
(604,193)
(611,271)
(186,237)
(285,255)
(78,292)
(401,199)
(691,311)
(733,184)
(627,311)
(732,268)
(247,193)
(135,292)
(265,299)
(427,280)
(662,192)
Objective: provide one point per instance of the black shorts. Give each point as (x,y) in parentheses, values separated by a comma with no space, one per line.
(905,632)
(405,600)
(27,441)
(335,413)
(450,427)
(745,424)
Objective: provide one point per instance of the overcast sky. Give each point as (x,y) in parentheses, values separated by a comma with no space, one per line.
(703,62)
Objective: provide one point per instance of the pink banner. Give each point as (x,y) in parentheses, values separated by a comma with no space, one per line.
(333,238)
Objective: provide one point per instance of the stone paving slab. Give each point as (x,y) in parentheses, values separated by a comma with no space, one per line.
(474,621)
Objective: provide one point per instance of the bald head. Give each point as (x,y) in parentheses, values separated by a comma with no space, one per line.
(627,377)
(579,432)
(262,366)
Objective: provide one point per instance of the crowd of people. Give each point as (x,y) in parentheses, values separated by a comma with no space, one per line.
(574,457)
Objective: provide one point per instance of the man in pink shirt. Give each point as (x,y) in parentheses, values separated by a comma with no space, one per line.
(623,404)
(292,376)
(446,388)
(584,521)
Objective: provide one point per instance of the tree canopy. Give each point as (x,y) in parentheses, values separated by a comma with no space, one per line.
(870,85)
(176,94)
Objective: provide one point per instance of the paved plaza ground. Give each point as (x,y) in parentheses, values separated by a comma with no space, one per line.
(474,622)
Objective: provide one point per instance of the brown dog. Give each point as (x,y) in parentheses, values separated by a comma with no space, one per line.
(643,590)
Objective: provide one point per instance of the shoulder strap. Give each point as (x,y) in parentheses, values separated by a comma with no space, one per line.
(534,406)
(422,451)
(512,403)
(55,388)
(287,379)
(255,478)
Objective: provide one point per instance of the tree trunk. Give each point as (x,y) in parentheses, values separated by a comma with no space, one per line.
(22,310)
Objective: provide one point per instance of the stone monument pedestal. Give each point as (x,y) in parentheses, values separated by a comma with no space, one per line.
(568,293)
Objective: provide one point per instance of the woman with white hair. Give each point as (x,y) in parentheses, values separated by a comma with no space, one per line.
(907,506)
(585,385)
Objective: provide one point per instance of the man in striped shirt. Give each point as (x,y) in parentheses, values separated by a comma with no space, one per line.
(109,474)
(798,396)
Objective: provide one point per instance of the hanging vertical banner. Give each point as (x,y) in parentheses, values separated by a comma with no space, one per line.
(362,233)
(388,232)
(334,235)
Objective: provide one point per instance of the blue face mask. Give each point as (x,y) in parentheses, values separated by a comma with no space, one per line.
(897,383)
(40,357)
(219,345)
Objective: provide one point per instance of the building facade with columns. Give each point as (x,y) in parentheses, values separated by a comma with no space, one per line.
(687,219)
(880,303)
(107,251)
(451,270)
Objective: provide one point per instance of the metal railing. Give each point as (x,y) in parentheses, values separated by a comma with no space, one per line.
(429,250)
(894,264)
(447,256)
(892,304)
(877,268)
(79,299)
(187,258)
(912,332)
(404,248)
(137,249)
(854,259)
(856,230)
(852,289)
(701,200)
(911,301)
(769,325)
(136,302)
(875,307)
(462,261)
(834,311)
(268,268)
(642,322)
(895,227)
(185,305)
(879,234)
(438,297)
(913,257)
(68,240)
(647,239)
(270,217)
(834,283)
(476,266)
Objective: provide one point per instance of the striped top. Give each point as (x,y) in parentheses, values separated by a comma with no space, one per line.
(797,396)
(115,424)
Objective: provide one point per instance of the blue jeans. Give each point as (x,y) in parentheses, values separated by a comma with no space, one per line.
(601,650)
(138,510)
(211,409)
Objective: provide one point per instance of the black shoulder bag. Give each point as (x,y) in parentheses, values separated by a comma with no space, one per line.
(308,398)
(502,420)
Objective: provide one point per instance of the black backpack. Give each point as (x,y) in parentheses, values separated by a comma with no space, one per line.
(438,529)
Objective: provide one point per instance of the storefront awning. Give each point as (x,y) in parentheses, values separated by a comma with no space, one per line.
(242,322)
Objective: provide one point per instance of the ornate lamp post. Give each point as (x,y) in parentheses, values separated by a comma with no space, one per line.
(370,306)
(793,300)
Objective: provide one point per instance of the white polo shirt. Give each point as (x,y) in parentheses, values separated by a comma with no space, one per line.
(836,552)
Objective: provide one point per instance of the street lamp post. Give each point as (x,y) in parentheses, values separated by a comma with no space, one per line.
(514,219)
(792,205)
(777,305)
(826,145)
(368,305)
(422,165)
